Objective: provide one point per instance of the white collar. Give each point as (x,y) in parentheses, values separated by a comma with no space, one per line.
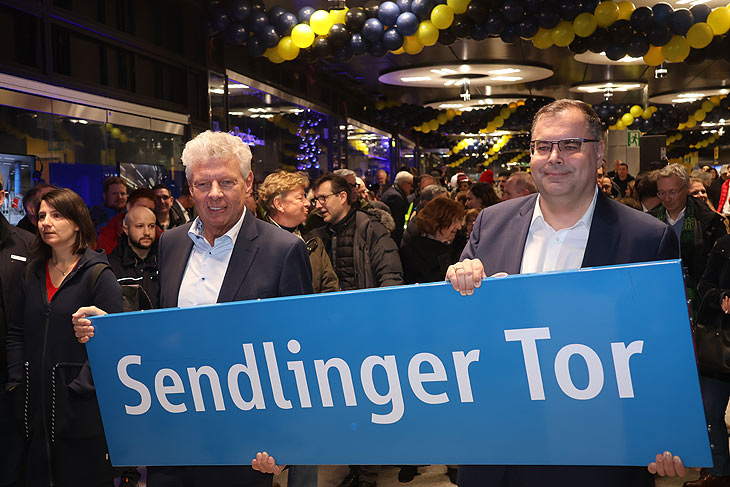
(196,230)
(586,219)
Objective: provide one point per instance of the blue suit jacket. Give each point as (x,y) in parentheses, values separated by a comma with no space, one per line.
(266,262)
(618,235)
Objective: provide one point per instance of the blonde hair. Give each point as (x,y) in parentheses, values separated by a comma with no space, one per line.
(216,145)
(280,183)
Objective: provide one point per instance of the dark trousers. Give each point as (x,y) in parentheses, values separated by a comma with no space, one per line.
(715,395)
(11,443)
(218,476)
(552,476)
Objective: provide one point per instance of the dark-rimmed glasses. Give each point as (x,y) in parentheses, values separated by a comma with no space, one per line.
(543,148)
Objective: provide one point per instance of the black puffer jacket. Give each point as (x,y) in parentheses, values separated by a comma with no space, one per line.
(132,269)
(362,252)
(49,377)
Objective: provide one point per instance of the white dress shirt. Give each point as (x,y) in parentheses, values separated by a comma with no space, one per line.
(207,265)
(549,250)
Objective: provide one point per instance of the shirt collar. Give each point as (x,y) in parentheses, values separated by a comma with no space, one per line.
(673,221)
(585,220)
(195,232)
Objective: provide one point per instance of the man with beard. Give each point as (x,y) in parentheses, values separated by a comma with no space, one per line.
(134,259)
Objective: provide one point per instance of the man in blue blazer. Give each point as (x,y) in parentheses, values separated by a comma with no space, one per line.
(569,224)
(224,255)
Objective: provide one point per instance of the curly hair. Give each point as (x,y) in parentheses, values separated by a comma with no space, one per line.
(438,214)
(279,183)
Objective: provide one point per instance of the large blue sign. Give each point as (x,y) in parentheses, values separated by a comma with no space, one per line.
(588,367)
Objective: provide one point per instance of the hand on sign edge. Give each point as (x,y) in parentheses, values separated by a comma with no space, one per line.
(83,328)
(266,464)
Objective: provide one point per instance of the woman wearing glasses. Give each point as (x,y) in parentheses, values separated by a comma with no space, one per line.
(48,370)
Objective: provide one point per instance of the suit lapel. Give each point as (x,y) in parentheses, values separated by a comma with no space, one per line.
(516,235)
(603,235)
(179,253)
(241,259)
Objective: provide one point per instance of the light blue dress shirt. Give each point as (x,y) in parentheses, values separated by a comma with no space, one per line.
(207,265)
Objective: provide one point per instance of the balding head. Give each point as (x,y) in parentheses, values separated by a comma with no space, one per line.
(139,225)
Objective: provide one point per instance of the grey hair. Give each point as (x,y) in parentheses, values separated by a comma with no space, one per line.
(704,177)
(431,191)
(595,126)
(402,177)
(216,145)
(344,173)
(523,181)
(677,170)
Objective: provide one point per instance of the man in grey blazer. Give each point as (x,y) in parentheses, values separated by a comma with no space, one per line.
(224,255)
(569,224)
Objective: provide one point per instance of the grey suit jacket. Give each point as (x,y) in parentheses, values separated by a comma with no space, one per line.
(266,262)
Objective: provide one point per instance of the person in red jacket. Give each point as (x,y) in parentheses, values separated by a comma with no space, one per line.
(109,235)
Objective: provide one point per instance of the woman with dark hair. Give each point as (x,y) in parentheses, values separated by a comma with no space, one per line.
(427,257)
(480,196)
(49,378)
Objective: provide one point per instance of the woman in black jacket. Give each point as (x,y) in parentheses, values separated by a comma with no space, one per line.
(49,378)
(427,257)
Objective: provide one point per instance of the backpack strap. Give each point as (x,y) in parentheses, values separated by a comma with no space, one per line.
(93,275)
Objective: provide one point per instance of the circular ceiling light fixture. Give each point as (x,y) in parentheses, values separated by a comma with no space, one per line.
(688,96)
(608,88)
(453,75)
(476,102)
(589,57)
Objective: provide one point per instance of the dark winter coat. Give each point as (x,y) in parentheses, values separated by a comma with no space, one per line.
(426,260)
(713,288)
(131,269)
(49,377)
(397,201)
(362,252)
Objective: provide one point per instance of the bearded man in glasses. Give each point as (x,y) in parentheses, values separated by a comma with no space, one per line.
(568,224)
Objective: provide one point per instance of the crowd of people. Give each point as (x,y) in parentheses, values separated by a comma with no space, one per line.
(287,235)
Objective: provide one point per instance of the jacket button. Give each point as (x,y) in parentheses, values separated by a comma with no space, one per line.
(47,312)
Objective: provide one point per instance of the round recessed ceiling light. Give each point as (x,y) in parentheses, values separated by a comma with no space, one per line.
(478,73)
(610,86)
(688,96)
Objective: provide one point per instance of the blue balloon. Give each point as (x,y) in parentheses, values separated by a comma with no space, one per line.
(495,24)
(589,5)
(422,9)
(569,10)
(255,47)
(637,46)
(304,13)
(510,34)
(237,34)
(527,27)
(680,21)
(219,18)
(662,11)
(700,12)
(257,22)
(269,36)
(478,32)
(239,10)
(377,49)
(547,19)
(659,34)
(388,13)
(614,52)
(285,23)
(513,10)
(392,39)
(357,44)
(372,30)
(403,5)
(275,12)
(407,24)
(642,19)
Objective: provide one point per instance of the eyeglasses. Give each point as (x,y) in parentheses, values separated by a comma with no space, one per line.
(671,193)
(568,146)
(225,185)
(322,199)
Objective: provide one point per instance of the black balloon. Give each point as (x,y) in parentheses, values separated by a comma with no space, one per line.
(680,21)
(569,9)
(258,5)
(461,26)
(589,5)
(579,45)
(637,46)
(275,12)
(258,21)
(307,55)
(612,119)
(598,41)
(355,18)
(256,47)
(478,32)
(510,34)
(662,11)
(285,23)
(322,47)
(513,10)
(718,48)
(447,37)
(548,19)
(527,27)
(237,34)
(620,31)
(614,52)
(239,10)
(338,35)
(303,15)
(377,49)
(371,9)
(495,24)
(219,18)
(269,36)
(477,11)
(700,12)
(659,34)
(642,19)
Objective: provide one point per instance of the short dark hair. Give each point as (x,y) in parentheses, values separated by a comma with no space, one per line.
(646,184)
(160,186)
(140,193)
(339,184)
(438,214)
(72,207)
(31,195)
(484,192)
(595,126)
(112,180)
(185,191)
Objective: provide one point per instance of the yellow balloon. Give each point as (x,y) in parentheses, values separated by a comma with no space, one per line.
(612,127)
(636,111)
(647,113)
(699,35)
(505,113)
(691,123)
(458,6)
(512,106)
(320,22)
(707,105)
(498,121)
(442,118)
(543,39)
(654,56)
(700,115)
(715,100)
(606,13)
(337,16)
(627,119)
(272,54)
(379,104)
(620,125)
(563,33)
(433,124)
(719,20)
(442,16)
(625,9)
(412,45)
(427,33)
(584,24)
(302,36)
(450,113)
(676,50)
(287,49)
(399,51)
